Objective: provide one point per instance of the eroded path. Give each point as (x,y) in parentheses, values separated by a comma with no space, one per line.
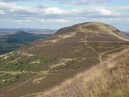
(100,54)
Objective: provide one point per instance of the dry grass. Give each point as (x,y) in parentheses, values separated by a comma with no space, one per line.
(101,28)
(62,62)
(108,79)
(67,35)
(40,76)
(59,37)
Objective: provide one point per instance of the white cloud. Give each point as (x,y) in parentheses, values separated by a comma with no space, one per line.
(2,12)
(62,20)
(105,11)
(15,11)
(26,11)
(53,20)
(53,10)
(21,21)
(3,4)
(27,14)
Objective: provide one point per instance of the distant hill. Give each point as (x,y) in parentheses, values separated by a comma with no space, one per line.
(5,31)
(14,41)
(126,32)
(43,66)
(25,36)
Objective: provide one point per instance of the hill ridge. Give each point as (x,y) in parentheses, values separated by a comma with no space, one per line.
(20,31)
(96,27)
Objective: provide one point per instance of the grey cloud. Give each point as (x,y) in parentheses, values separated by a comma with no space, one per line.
(65,1)
(82,2)
(41,6)
(101,0)
(18,14)
(53,16)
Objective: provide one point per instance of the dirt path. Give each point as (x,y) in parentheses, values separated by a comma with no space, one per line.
(99,54)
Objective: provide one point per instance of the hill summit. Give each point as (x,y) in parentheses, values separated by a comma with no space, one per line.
(45,63)
(20,32)
(81,33)
(94,28)
(23,35)
(26,36)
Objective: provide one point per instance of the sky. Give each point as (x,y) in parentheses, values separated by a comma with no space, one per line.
(55,14)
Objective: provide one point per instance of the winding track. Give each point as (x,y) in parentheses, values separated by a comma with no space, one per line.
(99,54)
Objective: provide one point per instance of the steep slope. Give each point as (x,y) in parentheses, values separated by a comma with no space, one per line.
(109,79)
(50,61)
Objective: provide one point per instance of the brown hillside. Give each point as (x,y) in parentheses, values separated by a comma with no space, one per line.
(76,48)
(109,79)
(80,33)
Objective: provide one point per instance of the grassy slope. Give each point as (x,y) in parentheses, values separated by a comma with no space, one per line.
(16,67)
(109,79)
